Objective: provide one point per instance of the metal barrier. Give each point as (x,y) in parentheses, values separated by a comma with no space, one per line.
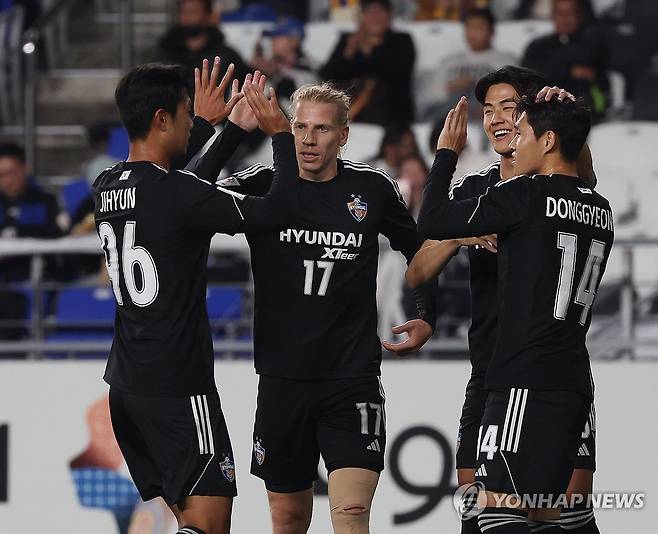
(610,337)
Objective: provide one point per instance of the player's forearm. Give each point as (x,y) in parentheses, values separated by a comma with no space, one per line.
(430,261)
(425,296)
(279,205)
(435,196)
(212,162)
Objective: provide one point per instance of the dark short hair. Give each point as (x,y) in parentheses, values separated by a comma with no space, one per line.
(386,4)
(12,150)
(207,4)
(482,13)
(525,81)
(144,90)
(571,122)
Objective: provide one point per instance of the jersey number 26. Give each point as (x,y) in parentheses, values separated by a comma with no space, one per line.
(131,257)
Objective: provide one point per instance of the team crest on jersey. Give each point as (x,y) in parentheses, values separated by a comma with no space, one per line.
(259,452)
(228,468)
(358,208)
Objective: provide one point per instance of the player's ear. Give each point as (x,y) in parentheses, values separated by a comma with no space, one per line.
(344,134)
(550,141)
(160,120)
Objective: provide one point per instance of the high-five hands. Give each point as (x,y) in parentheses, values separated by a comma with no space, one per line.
(271,119)
(209,97)
(417,330)
(453,135)
(242,114)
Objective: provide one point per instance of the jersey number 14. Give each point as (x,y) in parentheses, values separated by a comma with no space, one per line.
(132,257)
(589,280)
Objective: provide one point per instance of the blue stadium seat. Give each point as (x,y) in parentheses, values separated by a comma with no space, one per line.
(85,306)
(117,146)
(224,303)
(73,194)
(251,13)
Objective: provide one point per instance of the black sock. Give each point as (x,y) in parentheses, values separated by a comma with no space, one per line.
(578,520)
(503,521)
(190,530)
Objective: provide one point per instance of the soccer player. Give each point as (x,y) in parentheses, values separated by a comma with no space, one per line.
(498,92)
(315,322)
(551,262)
(155,225)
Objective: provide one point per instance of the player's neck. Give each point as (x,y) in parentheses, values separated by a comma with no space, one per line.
(506,167)
(322,175)
(145,151)
(559,166)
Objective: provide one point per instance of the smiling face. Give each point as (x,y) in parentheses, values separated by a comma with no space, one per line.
(318,138)
(499,108)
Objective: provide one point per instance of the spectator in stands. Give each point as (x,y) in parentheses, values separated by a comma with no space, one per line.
(377,64)
(286,65)
(396,146)
(411,180)
(25,211)
(574,56)
(458,73)
(196,36)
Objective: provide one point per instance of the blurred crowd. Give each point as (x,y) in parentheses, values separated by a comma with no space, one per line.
(375,63)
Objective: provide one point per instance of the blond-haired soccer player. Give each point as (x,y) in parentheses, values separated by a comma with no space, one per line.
(315,332)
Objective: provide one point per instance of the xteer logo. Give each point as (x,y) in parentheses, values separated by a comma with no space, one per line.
(4,462)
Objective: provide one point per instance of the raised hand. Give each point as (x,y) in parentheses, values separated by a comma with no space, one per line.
(209,97)
(242,114)
(417,330)
(549,93)
(453,135)
(268,113)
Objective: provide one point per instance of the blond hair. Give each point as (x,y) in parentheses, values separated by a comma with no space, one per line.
(324,93)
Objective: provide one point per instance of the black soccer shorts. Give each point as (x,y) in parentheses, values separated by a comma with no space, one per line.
(528,440)
(469,423)
(174,447)
(298,420)
(586,458)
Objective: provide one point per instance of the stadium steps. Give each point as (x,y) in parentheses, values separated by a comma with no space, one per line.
(81,91)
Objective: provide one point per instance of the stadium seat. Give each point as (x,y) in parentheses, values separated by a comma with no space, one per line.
(243,36)
(251,13)
(363,143)
(224,303)
(628,176)
(117,146)
(73,194)
(85,307)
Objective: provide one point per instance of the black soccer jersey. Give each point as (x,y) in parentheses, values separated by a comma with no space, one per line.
(483,276)
(315,281)
(155,228)
(554,239)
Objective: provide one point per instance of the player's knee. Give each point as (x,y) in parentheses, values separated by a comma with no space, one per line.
(353,513)
(289,520)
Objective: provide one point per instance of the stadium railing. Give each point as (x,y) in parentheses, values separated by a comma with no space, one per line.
(613,335)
